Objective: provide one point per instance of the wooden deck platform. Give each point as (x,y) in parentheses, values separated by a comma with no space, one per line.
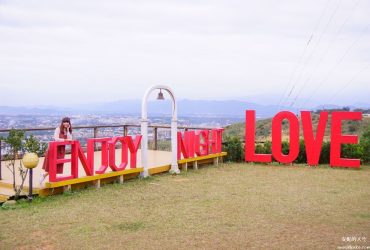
(159,162)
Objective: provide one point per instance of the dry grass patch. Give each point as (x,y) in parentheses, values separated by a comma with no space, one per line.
(229,206)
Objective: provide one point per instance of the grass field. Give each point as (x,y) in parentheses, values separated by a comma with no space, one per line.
(233,206)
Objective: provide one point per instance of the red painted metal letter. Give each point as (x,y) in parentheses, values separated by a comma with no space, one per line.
(293,137)
(250,128)
(54,160)
(313,144)
(133,146)
(216,141)
(201,142)
(104,152)
(337,139)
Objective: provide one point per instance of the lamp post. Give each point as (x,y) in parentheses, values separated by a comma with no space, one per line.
(30,161)
(144,128)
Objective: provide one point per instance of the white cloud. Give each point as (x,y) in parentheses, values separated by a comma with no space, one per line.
(94,50)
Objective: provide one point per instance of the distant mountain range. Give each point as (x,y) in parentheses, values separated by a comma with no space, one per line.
(230,108)
(185,108)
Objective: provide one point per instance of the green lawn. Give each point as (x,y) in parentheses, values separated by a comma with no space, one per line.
(228,206)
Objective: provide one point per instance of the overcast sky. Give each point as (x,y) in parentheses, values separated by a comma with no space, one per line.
(293,52)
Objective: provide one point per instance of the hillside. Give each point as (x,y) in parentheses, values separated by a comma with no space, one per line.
(263,128)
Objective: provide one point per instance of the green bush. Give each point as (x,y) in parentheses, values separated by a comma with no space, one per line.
(302,156)
(325,153)
(285,147)
(260,149)
(265,148)
(365,145)
(234,148)
(268,147)
(353,151)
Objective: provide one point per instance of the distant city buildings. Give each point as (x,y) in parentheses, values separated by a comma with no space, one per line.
(82,134)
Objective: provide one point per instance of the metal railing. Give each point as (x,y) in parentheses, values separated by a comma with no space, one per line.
(96,130)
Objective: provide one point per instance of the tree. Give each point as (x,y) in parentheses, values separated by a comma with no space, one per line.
(18,145)
(33,145)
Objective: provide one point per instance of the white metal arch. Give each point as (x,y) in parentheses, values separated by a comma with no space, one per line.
(144,130)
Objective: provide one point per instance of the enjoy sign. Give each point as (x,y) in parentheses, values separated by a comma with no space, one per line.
(191,144)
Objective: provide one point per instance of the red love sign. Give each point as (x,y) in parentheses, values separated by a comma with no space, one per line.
(313,142)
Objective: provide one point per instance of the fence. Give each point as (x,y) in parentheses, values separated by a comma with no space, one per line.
(95,130)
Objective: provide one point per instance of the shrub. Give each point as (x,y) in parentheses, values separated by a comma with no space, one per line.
(267,147)
(234,148)
(285,147)
(365,145)
(325,153)
(353,151)
(302,156)
(260,148)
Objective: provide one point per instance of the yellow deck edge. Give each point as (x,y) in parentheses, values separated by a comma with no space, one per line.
(156,170)
(92,178)
(200,158)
